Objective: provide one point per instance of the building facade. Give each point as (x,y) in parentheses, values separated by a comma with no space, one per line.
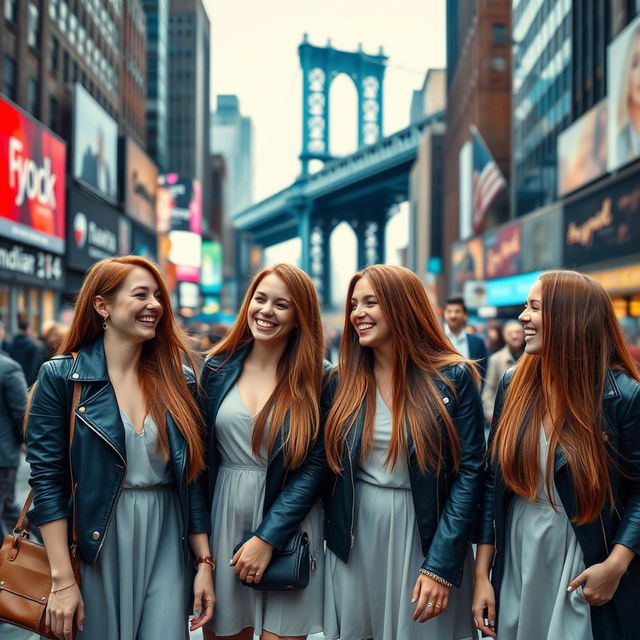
(478,94)
(188,91)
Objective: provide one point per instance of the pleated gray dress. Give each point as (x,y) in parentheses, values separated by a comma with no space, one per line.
(136,590)
(542,557)
(237,508)
(370,597)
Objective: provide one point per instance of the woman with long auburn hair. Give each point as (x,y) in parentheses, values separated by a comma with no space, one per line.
(561,508)
(404,440)
(136,452)
(262,386)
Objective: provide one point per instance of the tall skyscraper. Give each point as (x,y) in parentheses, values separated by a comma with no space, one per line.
(188,89)
(157,15)
(231,140)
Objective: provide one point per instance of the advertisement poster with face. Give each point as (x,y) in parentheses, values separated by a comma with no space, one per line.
(467,263)
(141,184)
(32,179)
(582,150)
(179,214)
(623,88)
(95,145)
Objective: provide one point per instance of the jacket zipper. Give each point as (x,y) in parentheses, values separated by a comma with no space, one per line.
(353,499)
(104,535)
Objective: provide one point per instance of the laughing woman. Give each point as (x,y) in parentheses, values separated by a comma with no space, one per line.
(404,439)
(137,448)
(561,509)
(261,386)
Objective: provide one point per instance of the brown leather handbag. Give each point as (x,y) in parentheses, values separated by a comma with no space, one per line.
(25,574)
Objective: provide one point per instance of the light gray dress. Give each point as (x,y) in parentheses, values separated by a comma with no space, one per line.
(370,597)
(542,557)
(238,508)
(136,589)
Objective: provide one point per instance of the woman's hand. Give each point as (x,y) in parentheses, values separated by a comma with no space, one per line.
(251,559)
(484,599)
(431,596)
(64,604)
(204,600)
(599,582)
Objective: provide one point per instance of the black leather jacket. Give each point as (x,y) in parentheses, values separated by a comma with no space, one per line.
(619,619)
(289,494)
(98,454)
(446,504)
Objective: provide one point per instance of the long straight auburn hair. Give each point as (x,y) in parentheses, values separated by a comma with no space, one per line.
(421,351)
(581,340)
(160,369)
(299,372)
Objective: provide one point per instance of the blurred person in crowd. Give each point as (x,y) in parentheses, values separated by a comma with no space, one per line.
(5,344)
(558,535)
(52,336)
(135,455)
(500,361)
(25,351)
(13,398)
(262,386)
(628,104)
(404,441)
(469,346)
(494,339)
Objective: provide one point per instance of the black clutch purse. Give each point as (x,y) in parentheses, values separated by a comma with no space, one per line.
(288,569)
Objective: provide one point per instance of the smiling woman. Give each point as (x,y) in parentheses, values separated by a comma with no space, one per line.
(136,451)
(262,388)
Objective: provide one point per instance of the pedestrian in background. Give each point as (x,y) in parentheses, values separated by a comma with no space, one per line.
(261,390)
(404,440)
(494,339)
(468,345)
(25,351)
(500,361)
(561,506)
(136,449)
(13,398)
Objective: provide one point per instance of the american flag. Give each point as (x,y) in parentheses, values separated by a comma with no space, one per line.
(488,180)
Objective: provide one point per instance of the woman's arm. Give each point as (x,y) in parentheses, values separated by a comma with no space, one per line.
(65,600)
(203,597)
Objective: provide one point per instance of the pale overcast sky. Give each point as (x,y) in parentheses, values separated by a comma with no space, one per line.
(254,55)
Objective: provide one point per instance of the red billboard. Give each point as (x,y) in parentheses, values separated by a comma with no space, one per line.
(32,181)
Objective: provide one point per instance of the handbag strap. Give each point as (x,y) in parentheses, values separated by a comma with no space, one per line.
(20,528)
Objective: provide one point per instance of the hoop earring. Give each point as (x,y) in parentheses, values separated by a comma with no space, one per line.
(104,324)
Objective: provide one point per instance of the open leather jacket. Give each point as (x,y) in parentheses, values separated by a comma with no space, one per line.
(289,493)
(446,503)
(98,453)
(619,619)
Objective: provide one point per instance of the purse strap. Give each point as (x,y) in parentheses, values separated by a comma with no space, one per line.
(20,528)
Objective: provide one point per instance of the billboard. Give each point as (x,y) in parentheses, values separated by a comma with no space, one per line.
(510,291)
(93,230)
(503,251)
(179,213)
(542,240)
(603,225)
(467,263)
(211,269)
(32,181)
(140,185)
(623,91)
(583,149)
(95,145)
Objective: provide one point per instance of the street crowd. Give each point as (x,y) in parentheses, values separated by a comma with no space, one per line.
(428,483)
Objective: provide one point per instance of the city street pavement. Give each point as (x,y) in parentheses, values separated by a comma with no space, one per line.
(13,633)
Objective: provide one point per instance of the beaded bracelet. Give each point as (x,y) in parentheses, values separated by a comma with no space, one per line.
(435,577)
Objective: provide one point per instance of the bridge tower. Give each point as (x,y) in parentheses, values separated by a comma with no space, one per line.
(320,65)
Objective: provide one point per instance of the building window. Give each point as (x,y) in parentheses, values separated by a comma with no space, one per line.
(9,77)
(54,55)
(53,9)
(65,66)
(33,26)
(33,99)
(62,16)
(11,10)
(53,113)
(499,63)
(499,34)
(75,74)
